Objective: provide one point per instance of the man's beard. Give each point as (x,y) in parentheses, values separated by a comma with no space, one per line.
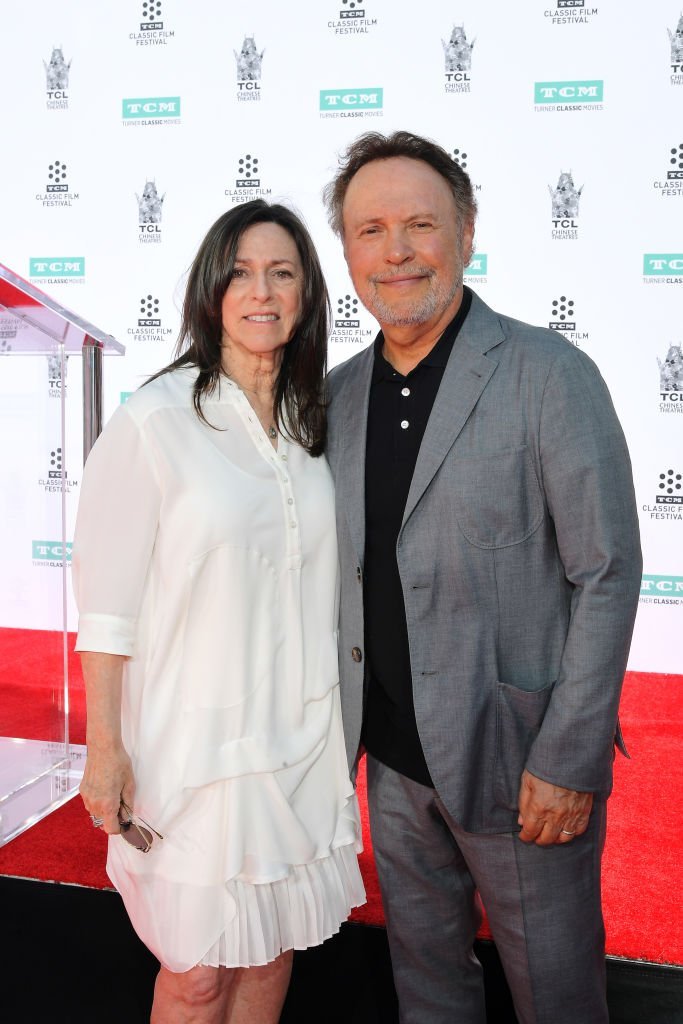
(438,298)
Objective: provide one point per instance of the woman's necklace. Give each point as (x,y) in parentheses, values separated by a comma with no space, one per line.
(257,405)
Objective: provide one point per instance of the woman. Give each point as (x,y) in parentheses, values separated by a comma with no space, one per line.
(205,566)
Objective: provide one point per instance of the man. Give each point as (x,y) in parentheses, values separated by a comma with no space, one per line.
(490,576)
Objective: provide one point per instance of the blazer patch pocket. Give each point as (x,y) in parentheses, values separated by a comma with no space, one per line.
(519,716)
(497,497)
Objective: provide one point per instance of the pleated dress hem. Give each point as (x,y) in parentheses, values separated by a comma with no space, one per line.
(304,909)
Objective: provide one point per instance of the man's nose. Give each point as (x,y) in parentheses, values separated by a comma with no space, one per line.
(399,248)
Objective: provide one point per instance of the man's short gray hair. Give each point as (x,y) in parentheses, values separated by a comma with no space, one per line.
(375,146)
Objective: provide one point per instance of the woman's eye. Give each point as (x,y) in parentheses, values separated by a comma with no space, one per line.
(238,272)
(284,273)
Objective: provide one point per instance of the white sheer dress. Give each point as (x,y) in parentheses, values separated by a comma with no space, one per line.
(209,560)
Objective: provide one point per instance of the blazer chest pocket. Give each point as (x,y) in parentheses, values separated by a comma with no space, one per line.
(519,716)
(497,498)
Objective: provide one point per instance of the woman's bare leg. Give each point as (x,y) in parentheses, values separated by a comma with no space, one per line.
(258,993)
(220,995)
(198,996)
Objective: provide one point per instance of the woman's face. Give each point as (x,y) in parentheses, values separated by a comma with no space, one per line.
(261,305)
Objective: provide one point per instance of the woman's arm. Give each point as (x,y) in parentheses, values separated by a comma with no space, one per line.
(108,776)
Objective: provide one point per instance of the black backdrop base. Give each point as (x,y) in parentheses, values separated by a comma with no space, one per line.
(70,956)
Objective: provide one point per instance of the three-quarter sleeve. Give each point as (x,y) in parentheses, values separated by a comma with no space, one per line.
(116,526)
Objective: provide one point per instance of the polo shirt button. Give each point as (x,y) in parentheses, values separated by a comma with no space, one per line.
(356,654)
(404,424)
(405,392)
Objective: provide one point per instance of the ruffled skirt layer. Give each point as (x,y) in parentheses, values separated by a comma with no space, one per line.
(296,912)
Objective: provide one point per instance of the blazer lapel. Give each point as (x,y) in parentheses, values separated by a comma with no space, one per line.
(466,375)
(353,399)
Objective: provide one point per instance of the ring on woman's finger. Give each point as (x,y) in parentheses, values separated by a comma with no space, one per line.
(565,833)
(97,822)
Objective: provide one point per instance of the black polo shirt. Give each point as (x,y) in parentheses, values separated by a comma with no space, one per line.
(398,412)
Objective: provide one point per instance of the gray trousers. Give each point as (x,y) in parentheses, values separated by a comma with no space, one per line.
(543,905)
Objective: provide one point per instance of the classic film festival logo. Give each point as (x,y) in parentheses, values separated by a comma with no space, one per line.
(151,30)
(570,12)
(673,185)
(352,20)
(368,102)
(347,325)
(147,111)
(149,326)
(671,380)
(56,477)
(564,205)
(150,206)
(51,553)
(563,319)
(581,95)
(58,269)
(57,80)
(668,503)
(9,325)
(248,183)
(460,157)
(676,41)
(663,268)
(249,62)
(457,52)
(57,191)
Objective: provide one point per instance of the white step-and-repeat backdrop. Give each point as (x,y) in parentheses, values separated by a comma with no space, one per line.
(128,127)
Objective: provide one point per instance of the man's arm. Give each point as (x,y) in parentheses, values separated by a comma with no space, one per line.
(586,478)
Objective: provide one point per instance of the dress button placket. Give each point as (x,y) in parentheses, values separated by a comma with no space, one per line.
(293,540)
(293,534)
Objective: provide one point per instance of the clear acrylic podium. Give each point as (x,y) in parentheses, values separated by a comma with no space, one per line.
(40,768)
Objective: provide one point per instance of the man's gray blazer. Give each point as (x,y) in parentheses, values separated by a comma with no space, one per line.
(520,563)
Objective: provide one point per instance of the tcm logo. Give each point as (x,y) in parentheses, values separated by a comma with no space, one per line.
(568,92)
(149,312)
(347,311)
(51,551)
(661,585)
(662,264)
(57,266)
(479,266)
(364,99)
(151,106)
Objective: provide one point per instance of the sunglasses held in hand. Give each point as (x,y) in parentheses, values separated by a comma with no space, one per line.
(135,830)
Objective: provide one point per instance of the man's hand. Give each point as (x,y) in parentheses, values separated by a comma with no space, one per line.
(551,814)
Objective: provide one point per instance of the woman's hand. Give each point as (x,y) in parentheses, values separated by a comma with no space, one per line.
(107,780)
(108,776)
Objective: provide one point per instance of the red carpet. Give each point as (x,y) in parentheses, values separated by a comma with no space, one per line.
(641,877)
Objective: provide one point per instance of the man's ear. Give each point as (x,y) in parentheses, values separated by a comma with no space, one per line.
(468,243)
